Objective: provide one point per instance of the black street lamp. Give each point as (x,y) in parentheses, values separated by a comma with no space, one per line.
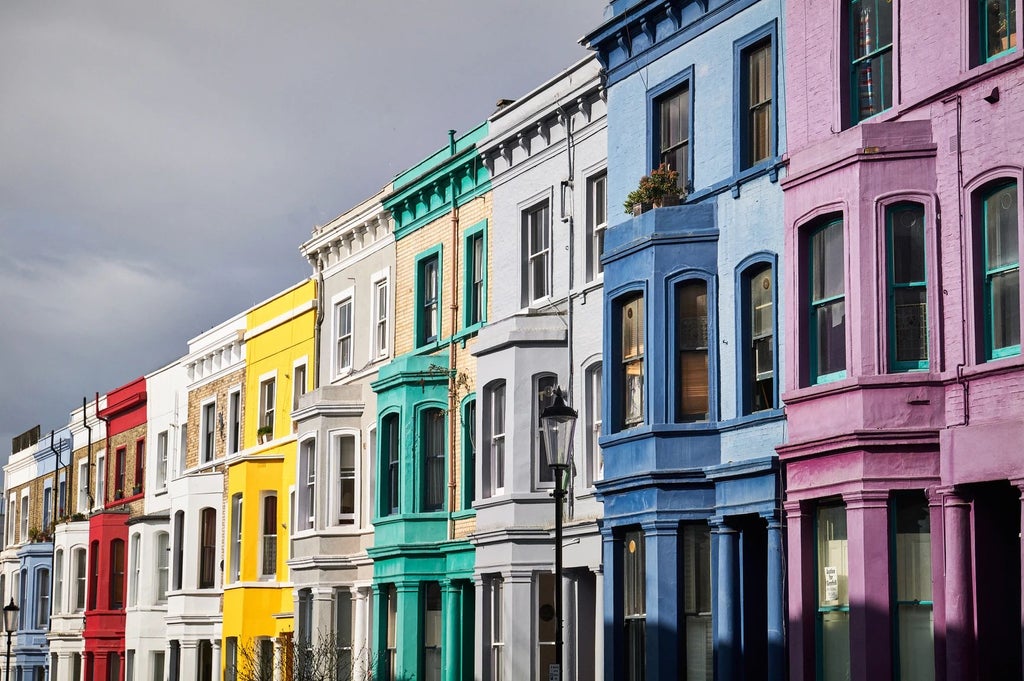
(558,422)
(10,626)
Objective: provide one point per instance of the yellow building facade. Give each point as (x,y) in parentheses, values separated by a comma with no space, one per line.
(258,601)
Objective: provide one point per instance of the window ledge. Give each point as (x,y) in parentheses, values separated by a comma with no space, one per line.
(463,514)
(759,417)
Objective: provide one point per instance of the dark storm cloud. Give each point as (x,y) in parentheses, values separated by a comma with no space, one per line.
(161,163)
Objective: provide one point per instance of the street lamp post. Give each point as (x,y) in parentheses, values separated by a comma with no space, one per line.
(558,422)
(10,626)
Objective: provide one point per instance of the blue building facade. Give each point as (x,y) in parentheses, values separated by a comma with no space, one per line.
(692,525)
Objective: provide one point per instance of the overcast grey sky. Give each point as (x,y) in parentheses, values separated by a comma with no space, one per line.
(160,163)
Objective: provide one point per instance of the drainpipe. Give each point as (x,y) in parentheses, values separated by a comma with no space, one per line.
(53,576)
(88,450)
(106,457)
(570,157)
(963,254)
(319,320)
(453,361)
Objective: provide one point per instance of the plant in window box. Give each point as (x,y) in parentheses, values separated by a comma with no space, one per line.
(77,517)
(119,493)
(137,489)
(33,534)
(264,434)
(660,188)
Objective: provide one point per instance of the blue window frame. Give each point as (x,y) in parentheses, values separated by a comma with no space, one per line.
(827,303)
(631,356)
(474,296)
(756,115)
(692,328)
(670,121)
(427,320)
(870,34)
(1001,262)
(907,302)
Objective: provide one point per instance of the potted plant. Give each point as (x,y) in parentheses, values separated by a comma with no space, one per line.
(78,517)
(119,493)
(264,434)
(660,188)
(137,489)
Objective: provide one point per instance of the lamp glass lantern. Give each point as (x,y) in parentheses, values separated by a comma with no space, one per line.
(10,617)
(558,422)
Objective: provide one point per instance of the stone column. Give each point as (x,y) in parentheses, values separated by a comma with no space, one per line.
(188,660)
(867,532)
(380,631)
(776,608)
(570,628)
(408,628)
(662,584)
(956,511)
(215,664)
(323,608)
(802,584)
(359,625)
(520,610)
(483,610)
(727,600)
(450,630)
(598,624)
(611,598)
(938,553)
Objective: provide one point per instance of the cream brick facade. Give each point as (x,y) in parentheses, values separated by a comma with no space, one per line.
(220,389)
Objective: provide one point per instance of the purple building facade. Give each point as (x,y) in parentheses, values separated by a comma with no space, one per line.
(904,461)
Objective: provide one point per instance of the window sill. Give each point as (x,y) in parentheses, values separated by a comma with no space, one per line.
(464,514)
(756,418)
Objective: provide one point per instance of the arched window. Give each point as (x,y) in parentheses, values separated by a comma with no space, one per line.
(630,313)
(757,348)
(827,307)
(433,443)
(42,598)
(1000,262)
(595,461)
(543,396)
(80,568)
(390,445)
(907,280)
(94,570)
(179,537)
(268,542)
(467,483)
(58,581)
(307,484)
(692,403)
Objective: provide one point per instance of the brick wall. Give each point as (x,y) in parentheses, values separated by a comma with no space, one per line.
(219,388)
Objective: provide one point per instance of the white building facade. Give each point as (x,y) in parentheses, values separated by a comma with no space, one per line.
(547,154)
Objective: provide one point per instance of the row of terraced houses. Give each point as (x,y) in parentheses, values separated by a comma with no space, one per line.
(800,390)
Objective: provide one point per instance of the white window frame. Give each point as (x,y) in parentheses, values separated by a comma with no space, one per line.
(342,366)
(82,503)
(490,412)
(23,518)
(134,547)
(207,425)
(234,419)
(306,477)
(263,575)
(368,463)
(101,479)
(536,429)
(80,577)
(595,230)
(334,438)
(235,560)
(300,384)
(43,596)
(58,581)
(162,442)
(163,566)
(594,374)
(270,376)
(380,319)
(531,255)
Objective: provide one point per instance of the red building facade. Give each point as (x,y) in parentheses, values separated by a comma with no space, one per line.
(118,488)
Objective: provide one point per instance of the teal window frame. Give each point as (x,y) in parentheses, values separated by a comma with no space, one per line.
(470,443)
(892,286)
(420,328)
(815,304)
(390,493)
(894,559)
(470,293)
(876,52)
(992,352)
(982,26)
(427,457)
